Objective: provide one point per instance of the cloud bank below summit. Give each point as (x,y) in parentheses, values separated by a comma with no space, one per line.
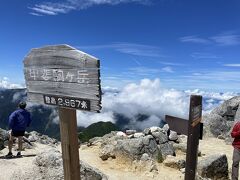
(149,98)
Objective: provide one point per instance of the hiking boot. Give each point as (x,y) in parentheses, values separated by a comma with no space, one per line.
(9,155)
(19,154)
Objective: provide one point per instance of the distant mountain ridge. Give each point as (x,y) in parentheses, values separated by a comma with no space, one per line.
(98,129)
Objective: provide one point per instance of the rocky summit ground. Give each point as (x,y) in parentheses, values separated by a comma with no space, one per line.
(43,161)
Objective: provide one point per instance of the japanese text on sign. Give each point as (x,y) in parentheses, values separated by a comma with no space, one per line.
(57,75)
(69,102)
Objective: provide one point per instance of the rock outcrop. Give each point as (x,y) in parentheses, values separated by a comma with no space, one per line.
(42,139)
(3,138)
(30,138)
(152,142)
(219,122)
(49,165)
(214,167)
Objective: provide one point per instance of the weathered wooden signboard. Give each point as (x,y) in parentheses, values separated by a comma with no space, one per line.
(65,77)
(193,128)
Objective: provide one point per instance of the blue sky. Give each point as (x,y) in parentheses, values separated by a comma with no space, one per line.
(187,44)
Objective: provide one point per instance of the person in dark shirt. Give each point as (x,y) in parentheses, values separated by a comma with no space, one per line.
(19,120)
(236,152)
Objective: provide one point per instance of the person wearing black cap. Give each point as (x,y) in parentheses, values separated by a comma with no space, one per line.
(19,120)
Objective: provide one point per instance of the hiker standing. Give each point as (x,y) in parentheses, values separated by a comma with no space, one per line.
(236,152)
(19,120)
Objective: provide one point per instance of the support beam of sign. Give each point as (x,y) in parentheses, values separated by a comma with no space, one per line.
(69,142)
(193,128)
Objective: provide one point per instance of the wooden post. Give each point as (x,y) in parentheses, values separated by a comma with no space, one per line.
(194,125)
(69,141)
(193,128)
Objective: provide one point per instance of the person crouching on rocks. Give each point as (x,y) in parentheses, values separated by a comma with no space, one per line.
(19,120)
(236,152)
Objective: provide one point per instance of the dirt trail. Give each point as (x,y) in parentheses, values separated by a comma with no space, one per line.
(119,168)
(18,165)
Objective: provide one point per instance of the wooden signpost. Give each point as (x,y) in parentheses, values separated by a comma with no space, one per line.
(193,128)
(63,76)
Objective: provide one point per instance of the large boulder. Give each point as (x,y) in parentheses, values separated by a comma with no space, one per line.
(136,147)
(166,149)
(220,121)
(90,173)
(50,158)
(214,167)
(229,105)
(50,165)
(3,137)
(160,137)
(216,124)
(42,139)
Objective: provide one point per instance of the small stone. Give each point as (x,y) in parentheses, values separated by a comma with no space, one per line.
(166,127)
(153,168)
(130,132)
(182,170)
(174,162)
(130,136)
(146,131)
(154,129)
(145,157)
(120,134)
(138,135)
(173,136)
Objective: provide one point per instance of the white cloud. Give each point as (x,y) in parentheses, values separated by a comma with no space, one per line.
(212,99)
(228,38)
(130,49)
(200,55)
(65,6)
(167,69)
(147,97)
(213,95)
(232,65)
(6,84)
(141,71)
(194,39)
(35,14)
(138,49)
(217,76)
(171,63)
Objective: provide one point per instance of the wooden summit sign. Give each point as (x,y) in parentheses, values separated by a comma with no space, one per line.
(63,76)
(193,128)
